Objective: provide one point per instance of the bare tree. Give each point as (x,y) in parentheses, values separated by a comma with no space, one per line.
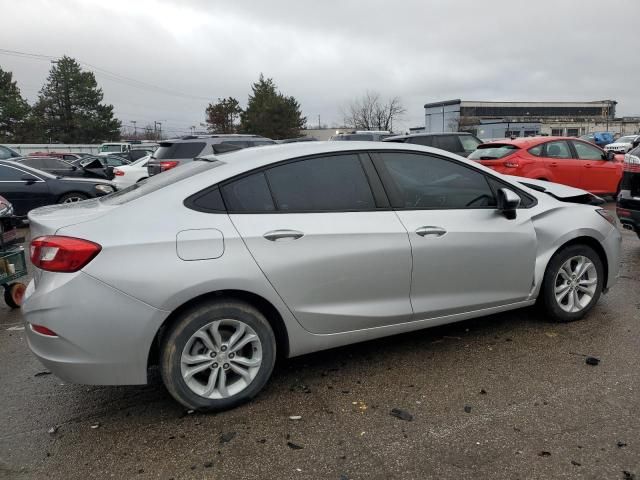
(370,112)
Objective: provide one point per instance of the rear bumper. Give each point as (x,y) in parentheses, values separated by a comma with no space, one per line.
(628,212)
(104,336)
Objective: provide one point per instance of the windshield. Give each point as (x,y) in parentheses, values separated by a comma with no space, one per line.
(110,148)
(627,139)
(141,161)
(157,182)
(493,151)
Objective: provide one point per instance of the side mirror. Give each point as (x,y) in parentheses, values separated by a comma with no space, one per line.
(508,202)
(74,168)
(609,155)
(28,180)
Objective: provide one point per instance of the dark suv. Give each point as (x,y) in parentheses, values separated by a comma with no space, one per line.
(174,152)
(461,143)
(628,204)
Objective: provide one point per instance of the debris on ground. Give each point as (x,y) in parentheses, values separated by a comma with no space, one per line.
(577,464)
(544,453)
(300,387)
(295,417)
(227,437)
(551,334)
(483,391)
(208,464)
(44,372)
(467,408)
(401,414)
(96,425)
(628,475)
(53,430)
(294,446)
(621,444)
(592,361)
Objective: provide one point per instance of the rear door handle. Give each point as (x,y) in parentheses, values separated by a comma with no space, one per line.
(275,235)
(431,231)
(554,164)
(587,165)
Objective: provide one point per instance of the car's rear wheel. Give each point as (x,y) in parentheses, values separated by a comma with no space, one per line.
(73,197)
(572,283)
(217,355)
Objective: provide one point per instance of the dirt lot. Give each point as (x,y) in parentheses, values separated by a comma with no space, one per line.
(506,396)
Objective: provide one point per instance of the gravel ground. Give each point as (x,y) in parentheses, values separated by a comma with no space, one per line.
(505,396)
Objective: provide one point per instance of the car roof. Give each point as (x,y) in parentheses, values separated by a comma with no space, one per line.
(526,142)
(434,134)
(192,138)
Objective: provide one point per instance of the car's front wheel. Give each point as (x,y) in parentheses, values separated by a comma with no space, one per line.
(217,355)
(572,283)
(73,197)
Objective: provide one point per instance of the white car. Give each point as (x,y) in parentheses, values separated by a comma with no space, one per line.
(127,175)
(623,144)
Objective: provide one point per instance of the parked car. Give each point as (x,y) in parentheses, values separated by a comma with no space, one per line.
(172,153)
(127,175)
(229,262)
(102,165)
(69,157)
(6,153)
(58,167)
(628,201)
(27,188)
(565,160)
(599,138)
(460,143)
(622,144)
(297,139)
(362,136)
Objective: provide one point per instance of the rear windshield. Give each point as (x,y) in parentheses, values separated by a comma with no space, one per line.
(469,142)
(492,151)
(363,137)
(157,182)
(178,151)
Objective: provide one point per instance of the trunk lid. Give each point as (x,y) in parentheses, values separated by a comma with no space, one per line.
(48,220)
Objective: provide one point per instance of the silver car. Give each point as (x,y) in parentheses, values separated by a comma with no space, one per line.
(213,269)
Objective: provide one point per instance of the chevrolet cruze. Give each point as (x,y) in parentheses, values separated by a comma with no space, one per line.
(213,269)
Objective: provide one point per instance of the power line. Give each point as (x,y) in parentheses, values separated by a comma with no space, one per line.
(107,74)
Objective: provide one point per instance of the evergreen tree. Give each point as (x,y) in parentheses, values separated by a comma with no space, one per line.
(222,116)
(69,108)
(13,110)
(270,113)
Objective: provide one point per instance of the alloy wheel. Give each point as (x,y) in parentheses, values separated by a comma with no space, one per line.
(575,284)
(221,359)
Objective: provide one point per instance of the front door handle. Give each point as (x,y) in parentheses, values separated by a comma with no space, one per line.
(275,235)
(587,165)
(431,231)
(553,164)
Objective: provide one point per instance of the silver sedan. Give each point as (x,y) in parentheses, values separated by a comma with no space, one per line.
(213,269)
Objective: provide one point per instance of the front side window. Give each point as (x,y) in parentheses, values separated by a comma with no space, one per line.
(425,182)
(333,183)
(587,152)
(558,150)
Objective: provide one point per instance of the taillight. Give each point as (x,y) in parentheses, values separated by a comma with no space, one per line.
(631,163)
(623,212)
(117,172)
(511,163)
(168,165)
(62,254)
(42,330)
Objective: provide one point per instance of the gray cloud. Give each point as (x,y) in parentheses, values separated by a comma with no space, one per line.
(326,53)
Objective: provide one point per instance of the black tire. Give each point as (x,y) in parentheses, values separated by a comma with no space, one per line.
(547,294)
(67,196)
(190,321)
(14,293)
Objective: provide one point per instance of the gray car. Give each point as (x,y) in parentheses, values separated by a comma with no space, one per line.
(223,264)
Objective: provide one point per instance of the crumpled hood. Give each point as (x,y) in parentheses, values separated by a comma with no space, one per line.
(556,189)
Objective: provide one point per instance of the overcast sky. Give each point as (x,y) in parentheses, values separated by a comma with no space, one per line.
(327,52)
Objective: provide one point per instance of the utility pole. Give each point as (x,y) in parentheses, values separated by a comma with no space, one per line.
(319,127)
(193,129)
(157,129)
(135,129)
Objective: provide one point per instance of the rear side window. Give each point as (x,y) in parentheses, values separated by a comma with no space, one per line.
(334,183)
(179,151)
(248,194)
(492,151)
(10,174)
(426,141)
(536,151)
(450,143)
(34,163)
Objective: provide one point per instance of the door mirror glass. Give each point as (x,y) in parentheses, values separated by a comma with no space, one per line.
(609,155)
(508,202)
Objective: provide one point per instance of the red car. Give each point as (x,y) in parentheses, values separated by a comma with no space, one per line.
(565,160)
